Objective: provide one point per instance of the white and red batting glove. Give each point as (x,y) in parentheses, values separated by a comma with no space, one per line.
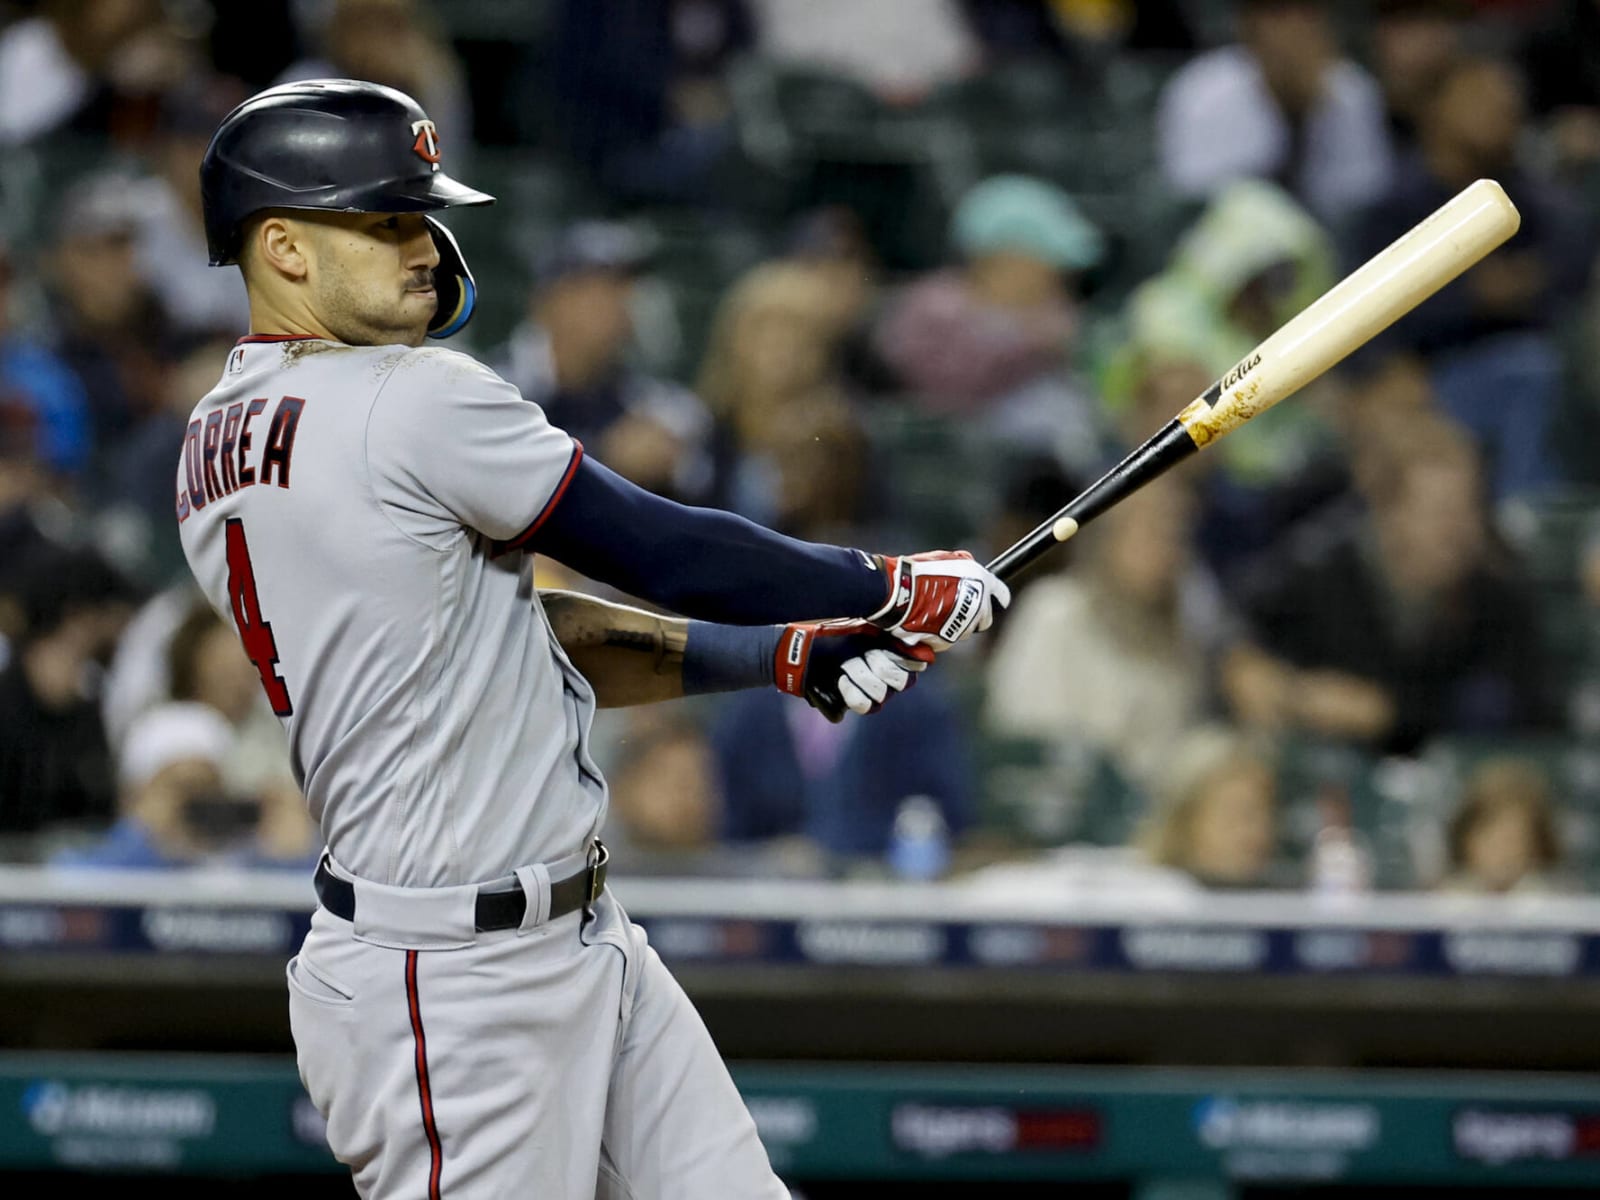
(839,665)
(939,597)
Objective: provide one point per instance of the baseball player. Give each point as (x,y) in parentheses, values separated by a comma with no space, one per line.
(473,1013)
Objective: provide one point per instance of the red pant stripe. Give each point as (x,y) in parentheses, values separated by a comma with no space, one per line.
(424,1091)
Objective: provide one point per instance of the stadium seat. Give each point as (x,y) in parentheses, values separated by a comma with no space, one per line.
(1049,793)
(1130,85)
(1142,221)
(20,186)
(695,258)
(1023,91)
(815,139)
(938,478)
(1549,534)
(537,196)
(1054,151)
(1548,531)
(1388,801)
(35,177)
(496,20)
(786,115)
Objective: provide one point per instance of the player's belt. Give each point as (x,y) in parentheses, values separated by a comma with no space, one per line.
(494,909)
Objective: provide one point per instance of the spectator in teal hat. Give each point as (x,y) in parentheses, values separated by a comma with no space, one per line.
(1022,217)
(995,335)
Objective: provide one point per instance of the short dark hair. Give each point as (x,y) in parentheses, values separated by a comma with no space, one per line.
(183,652)
(55,583)
(1501,783)
(247,237)
(1464,64)
(1414,440)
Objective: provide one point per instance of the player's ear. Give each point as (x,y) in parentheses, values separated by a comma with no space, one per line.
(281,244)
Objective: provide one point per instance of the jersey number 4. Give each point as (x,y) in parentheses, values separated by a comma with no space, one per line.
(254,631)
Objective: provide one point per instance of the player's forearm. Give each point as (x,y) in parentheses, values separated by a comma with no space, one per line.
(630,656)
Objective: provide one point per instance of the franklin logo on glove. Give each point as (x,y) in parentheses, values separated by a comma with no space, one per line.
(968,596)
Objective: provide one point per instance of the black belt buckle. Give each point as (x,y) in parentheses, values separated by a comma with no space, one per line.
(595,878)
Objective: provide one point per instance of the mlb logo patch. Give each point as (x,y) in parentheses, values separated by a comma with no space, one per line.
(236,360)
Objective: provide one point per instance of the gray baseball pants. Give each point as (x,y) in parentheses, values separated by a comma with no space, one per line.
(558,1061)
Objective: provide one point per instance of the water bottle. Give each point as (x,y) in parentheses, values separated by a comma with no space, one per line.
(1341,862)
(919,841)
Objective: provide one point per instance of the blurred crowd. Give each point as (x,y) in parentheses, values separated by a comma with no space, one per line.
(893,275)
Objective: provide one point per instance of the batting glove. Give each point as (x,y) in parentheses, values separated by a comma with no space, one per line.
(939,597)
(839,665)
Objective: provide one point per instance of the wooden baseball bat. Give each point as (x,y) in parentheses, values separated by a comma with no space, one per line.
(1368,301)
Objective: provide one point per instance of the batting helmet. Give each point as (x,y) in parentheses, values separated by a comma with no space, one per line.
(342,145)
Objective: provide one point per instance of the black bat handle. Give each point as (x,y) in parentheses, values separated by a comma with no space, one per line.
(1160,454)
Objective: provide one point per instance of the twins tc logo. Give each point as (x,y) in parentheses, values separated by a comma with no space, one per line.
(427,144)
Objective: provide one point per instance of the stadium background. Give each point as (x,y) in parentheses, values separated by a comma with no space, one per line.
(1252,855)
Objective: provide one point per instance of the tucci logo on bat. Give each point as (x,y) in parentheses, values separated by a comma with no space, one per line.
(968,596)
(1239,372)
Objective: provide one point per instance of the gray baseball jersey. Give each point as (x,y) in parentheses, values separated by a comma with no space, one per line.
(344,507)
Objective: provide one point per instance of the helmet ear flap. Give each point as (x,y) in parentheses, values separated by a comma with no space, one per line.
(452,281)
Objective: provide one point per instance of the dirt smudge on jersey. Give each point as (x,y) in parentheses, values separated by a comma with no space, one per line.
(293,352)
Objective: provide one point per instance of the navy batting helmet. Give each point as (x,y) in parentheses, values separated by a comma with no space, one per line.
(342,145)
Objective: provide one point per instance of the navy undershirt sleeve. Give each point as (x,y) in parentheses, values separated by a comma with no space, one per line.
(728,658)
(701,562)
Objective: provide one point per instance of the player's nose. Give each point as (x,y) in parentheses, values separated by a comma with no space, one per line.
(418,251)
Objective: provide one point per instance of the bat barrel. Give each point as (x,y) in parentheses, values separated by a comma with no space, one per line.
(1160,454)
(1366,302)
(1387,286)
